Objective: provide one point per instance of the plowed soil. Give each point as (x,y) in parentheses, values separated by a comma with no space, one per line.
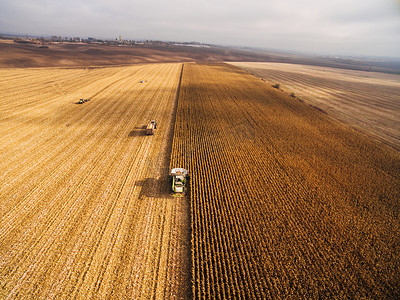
(85,209)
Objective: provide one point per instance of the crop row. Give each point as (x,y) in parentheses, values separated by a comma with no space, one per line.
(284,201)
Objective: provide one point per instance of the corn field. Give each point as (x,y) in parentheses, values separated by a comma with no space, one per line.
(285,201)
(366,100)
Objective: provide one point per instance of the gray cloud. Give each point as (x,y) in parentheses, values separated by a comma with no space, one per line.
(364,27)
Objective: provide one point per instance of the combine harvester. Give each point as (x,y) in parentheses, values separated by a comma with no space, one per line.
(180,179)
(150,127)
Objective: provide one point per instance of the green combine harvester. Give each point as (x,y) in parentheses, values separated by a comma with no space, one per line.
(180,178)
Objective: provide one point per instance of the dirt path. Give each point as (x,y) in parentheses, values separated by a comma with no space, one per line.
(84,203)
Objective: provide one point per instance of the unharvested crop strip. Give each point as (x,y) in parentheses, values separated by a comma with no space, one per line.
(267,212)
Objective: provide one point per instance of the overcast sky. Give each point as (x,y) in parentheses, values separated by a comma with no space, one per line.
(343,27)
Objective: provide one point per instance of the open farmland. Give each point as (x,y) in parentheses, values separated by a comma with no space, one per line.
(84,211)
(369,101)
(286,202)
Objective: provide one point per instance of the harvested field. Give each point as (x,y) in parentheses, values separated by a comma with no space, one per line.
(84,204)
(286,202)
(369,101)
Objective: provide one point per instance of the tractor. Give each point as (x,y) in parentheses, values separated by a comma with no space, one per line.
(150,127)
(81,101)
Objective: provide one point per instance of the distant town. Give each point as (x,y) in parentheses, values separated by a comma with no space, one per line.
(44,41)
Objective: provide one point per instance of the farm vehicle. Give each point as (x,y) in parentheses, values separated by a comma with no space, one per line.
(179,180)
(81,101)
(150,127)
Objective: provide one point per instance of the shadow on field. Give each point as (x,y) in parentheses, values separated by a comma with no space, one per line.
(154,188)
(138,131)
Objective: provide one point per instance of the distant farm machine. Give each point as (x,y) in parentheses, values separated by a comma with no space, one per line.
(150,127)
(81,101)
(179,181)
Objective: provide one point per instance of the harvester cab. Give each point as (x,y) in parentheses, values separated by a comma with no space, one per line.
(179,181)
